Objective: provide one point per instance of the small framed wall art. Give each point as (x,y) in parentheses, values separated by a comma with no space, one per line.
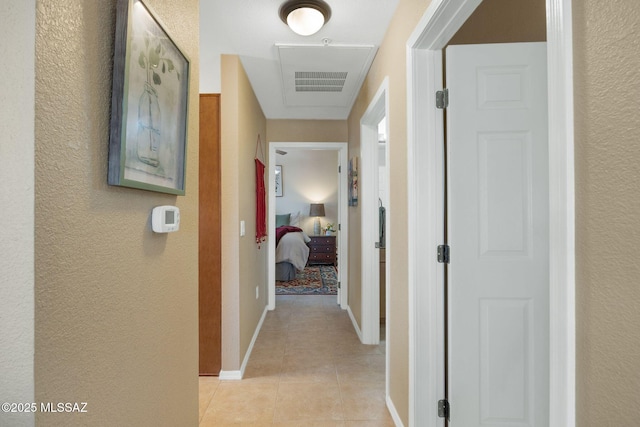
(278,185)
(353,181)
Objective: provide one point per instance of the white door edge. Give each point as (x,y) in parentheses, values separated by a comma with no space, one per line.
(441,20)
(368,200)
(343,219)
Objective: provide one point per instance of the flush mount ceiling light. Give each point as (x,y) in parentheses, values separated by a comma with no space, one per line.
(305,17)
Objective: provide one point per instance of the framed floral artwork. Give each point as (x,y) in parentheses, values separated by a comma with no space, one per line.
(149,104)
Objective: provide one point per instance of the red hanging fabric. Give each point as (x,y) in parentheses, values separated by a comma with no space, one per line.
(261,205)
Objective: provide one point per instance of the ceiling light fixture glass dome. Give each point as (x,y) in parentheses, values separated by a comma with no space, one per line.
(305,17)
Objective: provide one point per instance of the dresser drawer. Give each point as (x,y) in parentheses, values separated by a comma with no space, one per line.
(323,240)
(322,248)
(328,258)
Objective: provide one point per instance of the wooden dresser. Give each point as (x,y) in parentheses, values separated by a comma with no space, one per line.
(322,250)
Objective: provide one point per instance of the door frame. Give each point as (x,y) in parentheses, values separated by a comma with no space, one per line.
(425,124)
(343,240)
(368,195)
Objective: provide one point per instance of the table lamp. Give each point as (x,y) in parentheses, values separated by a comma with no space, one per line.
(316,210)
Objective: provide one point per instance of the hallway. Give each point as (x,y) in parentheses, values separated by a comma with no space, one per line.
(307,368)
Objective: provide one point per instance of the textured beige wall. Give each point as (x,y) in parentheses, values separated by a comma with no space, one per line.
(504,21)
(307,130)
(253,268)
(116,319)
(244,265)
(607,148)
(354,297)
(229,153)
(390,61)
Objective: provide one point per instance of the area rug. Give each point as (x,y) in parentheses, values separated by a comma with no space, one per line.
(313,280)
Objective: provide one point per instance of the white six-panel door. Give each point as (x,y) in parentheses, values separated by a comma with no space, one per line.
(499,235)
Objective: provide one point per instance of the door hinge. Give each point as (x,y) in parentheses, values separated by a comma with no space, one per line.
(442,99)
(339,169)
(444,254)
(444,411)
(338,285)
(339,228)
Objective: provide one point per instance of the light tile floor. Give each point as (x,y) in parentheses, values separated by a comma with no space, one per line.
(307,369)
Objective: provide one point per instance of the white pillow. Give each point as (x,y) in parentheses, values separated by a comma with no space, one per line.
(294,220)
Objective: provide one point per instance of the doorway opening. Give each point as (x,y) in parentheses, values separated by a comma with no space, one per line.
(315,196)
(374,199)
(426,209)
(376,214)
(383,206)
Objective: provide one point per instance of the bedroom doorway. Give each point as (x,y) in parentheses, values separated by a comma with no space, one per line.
(300,209)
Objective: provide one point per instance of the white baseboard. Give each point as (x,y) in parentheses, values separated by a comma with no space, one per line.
(237,375)
(355,323)
(253,341)
(394,413)
(230,375)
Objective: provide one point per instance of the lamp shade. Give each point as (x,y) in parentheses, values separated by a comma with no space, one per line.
(317,209)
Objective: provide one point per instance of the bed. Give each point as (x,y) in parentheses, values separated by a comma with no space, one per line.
(292,251)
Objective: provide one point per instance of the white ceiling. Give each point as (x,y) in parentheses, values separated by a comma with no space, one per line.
(271,53)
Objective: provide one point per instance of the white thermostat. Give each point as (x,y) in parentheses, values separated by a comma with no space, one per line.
(165,219)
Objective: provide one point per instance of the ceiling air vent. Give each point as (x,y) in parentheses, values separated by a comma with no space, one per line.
(320,81)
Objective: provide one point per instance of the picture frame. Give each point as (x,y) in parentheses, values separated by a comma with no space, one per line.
(353,181)
(278,181)
(149,104)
